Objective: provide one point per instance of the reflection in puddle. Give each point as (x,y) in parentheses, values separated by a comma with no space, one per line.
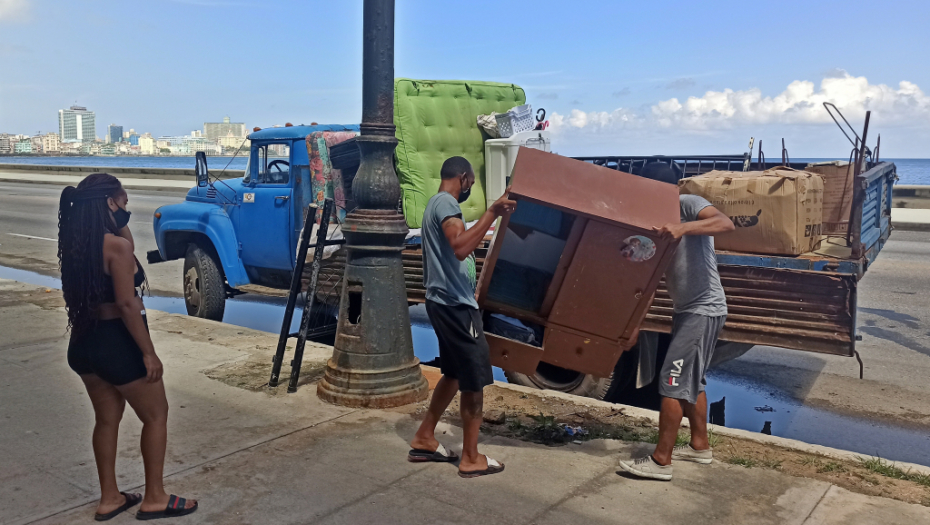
(751,407)
(734,402)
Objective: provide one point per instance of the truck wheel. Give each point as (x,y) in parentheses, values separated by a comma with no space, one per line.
(204,286)
(551,377)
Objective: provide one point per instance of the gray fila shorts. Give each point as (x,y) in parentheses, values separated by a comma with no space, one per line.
(694,337)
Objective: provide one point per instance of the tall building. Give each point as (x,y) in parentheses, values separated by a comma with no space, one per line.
(147,145)
(51,143)
(77,124)
(216,130)
(114,134)
(133,138)
(6,144)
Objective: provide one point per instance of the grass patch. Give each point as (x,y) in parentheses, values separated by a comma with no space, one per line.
(741,461)
(810,461)
(831,466)
(889,470)
(771,463)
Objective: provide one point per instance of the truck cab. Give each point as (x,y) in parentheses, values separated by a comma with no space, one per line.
(241,231)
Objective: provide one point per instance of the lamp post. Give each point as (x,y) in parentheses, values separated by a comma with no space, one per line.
(373,363)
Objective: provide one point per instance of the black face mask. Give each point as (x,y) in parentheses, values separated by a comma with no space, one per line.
(121,217)
(464,195)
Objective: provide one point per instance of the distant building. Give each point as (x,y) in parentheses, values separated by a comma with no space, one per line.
(232,142)
(279,150)
(37,144)
(77,123)
(114,134)
(22,146)
(6,144)
(51,143)
(188,144)
(216,130)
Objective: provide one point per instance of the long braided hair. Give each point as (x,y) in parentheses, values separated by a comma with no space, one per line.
(83,219)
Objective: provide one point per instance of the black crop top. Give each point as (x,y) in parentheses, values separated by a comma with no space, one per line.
(109,294)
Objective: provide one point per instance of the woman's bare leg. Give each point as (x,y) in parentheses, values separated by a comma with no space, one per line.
(150,404)
(108,406)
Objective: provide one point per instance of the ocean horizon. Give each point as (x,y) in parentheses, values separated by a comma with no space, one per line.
(910,171)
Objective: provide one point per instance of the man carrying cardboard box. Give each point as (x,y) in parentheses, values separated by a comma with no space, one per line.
(700,311)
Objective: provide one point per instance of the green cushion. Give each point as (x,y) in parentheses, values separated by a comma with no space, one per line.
(436,119)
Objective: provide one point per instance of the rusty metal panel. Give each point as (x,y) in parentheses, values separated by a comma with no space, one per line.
(811,311)
(593,191)
(513,355)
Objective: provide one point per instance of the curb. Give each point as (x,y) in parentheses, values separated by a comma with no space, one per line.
(786,443)
(911,226)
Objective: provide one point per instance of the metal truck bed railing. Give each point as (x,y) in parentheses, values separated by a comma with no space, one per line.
(804,303)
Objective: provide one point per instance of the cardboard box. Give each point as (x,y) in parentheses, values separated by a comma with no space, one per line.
(778,211)
(837,194)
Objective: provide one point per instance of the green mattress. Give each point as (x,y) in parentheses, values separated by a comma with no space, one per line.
(436,119)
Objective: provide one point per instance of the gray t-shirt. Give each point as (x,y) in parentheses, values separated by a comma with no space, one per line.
(692,278)
(446,278)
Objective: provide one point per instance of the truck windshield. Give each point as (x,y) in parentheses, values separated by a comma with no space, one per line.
(273,166)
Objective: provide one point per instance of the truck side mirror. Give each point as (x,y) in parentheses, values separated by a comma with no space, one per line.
(200,169)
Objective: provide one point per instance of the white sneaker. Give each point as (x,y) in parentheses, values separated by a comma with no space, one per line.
(646,467)
(686,453)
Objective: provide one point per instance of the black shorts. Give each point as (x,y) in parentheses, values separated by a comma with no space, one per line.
(463,350)
(109,351)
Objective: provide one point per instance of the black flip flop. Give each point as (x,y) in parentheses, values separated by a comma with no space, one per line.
(440,455)
(174,509)
(494,467)
(131,501)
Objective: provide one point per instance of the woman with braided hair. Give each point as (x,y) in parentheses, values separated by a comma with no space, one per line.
(110,347)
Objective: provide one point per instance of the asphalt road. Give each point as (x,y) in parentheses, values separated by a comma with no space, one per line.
(894,312)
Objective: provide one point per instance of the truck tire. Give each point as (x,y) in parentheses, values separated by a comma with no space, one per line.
(204,285)
(551,377)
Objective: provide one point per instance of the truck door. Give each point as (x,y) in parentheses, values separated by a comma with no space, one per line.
(265,229)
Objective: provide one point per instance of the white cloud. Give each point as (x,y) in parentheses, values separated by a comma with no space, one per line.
(13,10)
(800,103)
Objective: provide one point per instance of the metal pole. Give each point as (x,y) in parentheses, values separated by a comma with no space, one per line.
(373,363)
(854,234)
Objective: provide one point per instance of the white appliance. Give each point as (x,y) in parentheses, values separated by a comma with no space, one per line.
(500,154)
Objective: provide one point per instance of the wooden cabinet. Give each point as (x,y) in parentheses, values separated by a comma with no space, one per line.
(577,257)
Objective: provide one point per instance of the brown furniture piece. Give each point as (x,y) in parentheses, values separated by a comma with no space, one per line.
(578,257)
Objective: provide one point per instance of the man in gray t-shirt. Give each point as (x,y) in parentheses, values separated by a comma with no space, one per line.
(700,310)
(464,357)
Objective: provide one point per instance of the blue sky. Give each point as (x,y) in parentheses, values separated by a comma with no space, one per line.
(615,76)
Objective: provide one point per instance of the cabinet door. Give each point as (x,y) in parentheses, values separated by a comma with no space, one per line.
(610,281)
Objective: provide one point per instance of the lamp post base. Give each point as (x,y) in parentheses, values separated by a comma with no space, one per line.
(373,388)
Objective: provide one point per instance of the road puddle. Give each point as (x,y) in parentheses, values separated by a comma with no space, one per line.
(735,401)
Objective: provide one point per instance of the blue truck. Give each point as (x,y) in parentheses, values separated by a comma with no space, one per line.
(244,231)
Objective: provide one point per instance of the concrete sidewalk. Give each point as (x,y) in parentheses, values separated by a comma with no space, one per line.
(254,457)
